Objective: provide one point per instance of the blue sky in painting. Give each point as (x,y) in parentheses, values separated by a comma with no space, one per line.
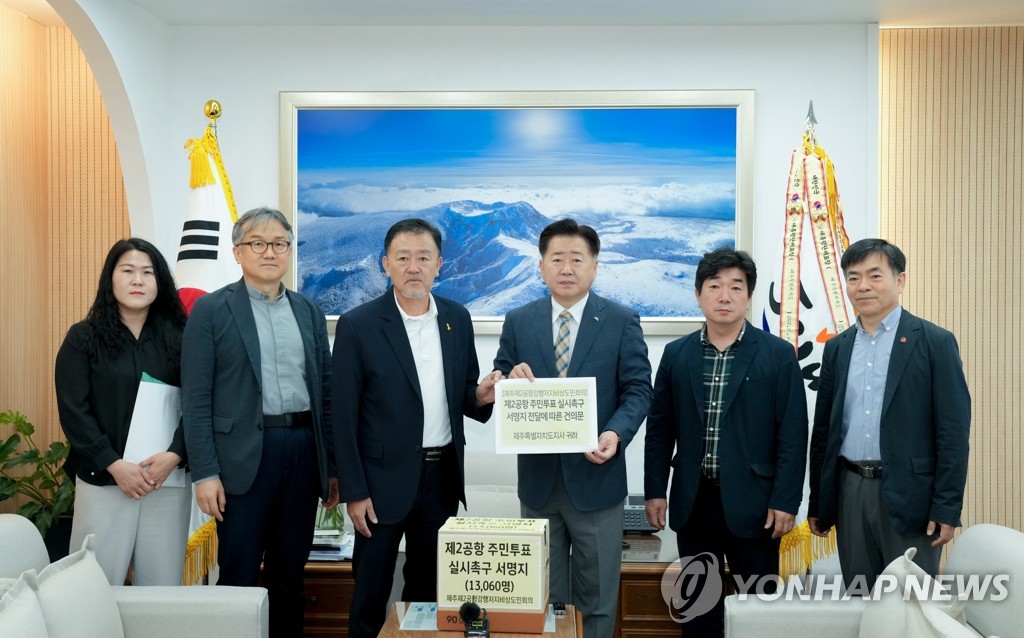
(668,162)
(659,185)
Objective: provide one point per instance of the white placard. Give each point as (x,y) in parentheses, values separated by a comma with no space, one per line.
(545,416)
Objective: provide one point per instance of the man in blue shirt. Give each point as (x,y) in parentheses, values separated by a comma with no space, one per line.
(892,424)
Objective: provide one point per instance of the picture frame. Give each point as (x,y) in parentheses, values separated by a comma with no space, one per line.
(562,153)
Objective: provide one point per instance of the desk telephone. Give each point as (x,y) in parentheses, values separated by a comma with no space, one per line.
(634,517)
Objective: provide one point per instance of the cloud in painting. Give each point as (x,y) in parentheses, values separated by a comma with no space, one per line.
(709,200)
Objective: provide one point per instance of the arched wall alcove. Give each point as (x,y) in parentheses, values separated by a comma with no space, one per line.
(79,19)
(62,204)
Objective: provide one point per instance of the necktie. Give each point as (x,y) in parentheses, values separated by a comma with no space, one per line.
(562,344)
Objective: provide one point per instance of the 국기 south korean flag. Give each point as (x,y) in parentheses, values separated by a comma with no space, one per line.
(205,261)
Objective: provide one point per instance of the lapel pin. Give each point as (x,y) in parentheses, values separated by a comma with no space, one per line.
(903,339)
(597,319)
(449,326)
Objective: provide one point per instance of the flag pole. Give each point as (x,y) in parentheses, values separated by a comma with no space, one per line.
(205,263)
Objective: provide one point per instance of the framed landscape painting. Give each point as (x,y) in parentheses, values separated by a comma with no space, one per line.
(663,176)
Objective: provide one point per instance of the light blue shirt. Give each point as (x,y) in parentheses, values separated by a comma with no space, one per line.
(865,389)
(282,358)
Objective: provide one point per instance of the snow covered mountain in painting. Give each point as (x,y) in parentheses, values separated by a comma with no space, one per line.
(491,259)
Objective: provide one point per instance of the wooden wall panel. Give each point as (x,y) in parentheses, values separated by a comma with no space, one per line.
(62,205)
(952,196)
(24,260)
(87,205)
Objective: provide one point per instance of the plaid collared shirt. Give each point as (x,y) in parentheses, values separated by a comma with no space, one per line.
(717,368)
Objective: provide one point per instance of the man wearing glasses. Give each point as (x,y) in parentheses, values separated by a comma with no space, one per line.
(257,417)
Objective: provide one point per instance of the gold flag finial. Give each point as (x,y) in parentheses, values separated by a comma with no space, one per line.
(212,109)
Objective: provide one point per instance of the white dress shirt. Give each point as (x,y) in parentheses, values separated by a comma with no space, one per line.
(425,341)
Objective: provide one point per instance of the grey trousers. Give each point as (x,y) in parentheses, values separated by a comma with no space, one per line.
(595,540)
(150,533)
(867,540)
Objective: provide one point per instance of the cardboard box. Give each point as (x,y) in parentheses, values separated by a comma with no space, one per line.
(501,564)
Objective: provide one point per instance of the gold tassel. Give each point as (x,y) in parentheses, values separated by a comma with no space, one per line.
(198,153)
(800,548)
(201,553)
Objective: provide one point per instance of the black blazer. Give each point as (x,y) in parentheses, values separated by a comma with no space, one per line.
(221,381)
(925,428)
(763,437)
(378,408)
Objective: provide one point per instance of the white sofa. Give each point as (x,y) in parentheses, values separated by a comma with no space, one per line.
(980,549)
(144,612)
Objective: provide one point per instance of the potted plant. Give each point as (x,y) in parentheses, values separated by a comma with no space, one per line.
(36,474)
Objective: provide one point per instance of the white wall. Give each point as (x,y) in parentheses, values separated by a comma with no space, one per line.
(168,73)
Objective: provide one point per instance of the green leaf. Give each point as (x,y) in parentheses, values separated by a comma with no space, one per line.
(43,521)
(22,425)
(8,488)
(54,457)
(30,510)
(25,458)
(9,446)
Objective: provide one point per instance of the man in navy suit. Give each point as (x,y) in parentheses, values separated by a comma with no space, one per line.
(405,373)
(256,406)
(892,426)
(730,400)
(576,333)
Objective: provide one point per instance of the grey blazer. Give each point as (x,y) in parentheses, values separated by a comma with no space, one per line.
(221,387)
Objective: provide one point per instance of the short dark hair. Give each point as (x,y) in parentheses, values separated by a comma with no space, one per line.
(258,217)
(569,227)
(861,250)
(722,258)
(415,226)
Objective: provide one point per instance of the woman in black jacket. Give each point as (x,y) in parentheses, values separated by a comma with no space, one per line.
(139,508)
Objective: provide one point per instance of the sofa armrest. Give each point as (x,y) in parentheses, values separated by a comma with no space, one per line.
(786,618)
(197,612)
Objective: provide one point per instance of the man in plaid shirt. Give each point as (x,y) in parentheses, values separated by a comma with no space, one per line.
(729,400)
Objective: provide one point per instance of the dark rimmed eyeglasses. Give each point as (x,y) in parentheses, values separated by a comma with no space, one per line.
(260,247)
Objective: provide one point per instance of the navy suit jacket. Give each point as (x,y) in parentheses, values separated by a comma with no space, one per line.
(609,346)
(925,428)
(762,445)
(378,408)
(221,385)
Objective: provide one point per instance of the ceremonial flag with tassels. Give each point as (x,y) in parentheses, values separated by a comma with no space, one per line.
(205,263)
(807,302)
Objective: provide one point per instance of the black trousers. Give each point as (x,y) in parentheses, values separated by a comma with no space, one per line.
(707,531)
(374,558)
(273,523)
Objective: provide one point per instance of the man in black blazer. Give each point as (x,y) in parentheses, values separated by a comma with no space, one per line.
(256,408)
(730,400)
(405,373)
(891,426)
(581,495)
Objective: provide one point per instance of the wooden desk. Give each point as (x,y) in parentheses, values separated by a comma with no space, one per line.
(571,626)
(328,590)
(642,610)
